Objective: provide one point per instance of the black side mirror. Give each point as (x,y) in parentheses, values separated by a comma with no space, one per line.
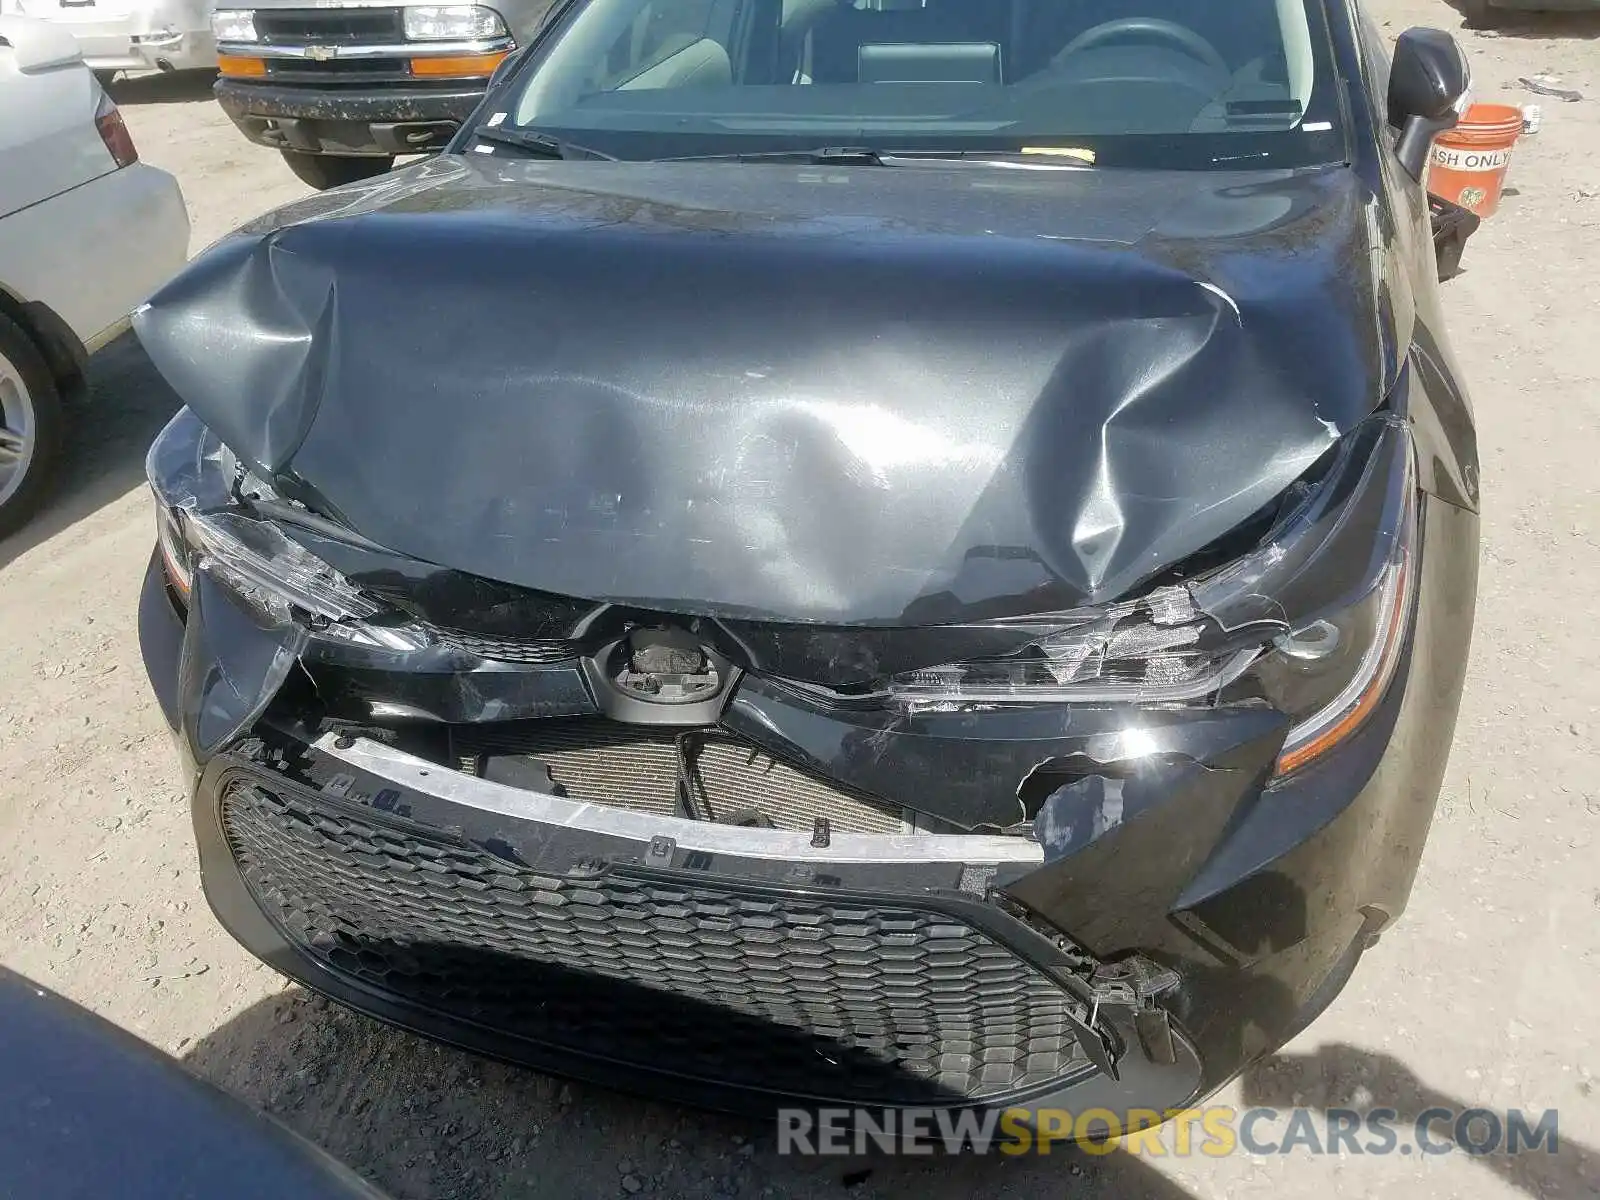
(1427,80)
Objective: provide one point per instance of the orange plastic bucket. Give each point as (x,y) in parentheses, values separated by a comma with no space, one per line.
(1469,162)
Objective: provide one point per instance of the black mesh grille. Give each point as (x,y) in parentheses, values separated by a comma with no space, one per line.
(636,767)
(884,1004)
(320,26)
(535,651)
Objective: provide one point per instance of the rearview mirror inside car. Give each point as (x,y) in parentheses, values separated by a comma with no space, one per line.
(1427,81)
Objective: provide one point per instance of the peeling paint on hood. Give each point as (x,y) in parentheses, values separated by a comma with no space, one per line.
(874,395)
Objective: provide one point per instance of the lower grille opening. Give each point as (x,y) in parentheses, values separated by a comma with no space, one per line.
(871,1000)
(636,767)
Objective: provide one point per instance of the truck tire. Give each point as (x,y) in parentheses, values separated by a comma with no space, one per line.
(32,427)
(1477,14)
(324,171)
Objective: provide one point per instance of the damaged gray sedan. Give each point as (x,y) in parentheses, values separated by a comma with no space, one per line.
(889,553)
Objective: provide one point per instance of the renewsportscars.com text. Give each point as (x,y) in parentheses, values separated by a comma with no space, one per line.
(1213,1131)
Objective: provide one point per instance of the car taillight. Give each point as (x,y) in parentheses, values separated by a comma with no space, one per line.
(108,120)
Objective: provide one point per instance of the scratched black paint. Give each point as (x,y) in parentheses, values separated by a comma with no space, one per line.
(678,386)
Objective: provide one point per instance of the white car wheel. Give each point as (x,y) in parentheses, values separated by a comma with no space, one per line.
(32,426)
(17,425)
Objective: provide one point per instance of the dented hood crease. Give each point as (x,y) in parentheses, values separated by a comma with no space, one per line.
(868,396)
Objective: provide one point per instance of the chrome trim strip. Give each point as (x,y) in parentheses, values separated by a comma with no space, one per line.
(109,334)
(318,5)
(450,785)
(396,50)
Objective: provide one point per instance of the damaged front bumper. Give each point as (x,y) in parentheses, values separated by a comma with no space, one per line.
(148,35)
(728,968)
(970,904)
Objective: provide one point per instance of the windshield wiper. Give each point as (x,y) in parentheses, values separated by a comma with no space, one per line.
(1042,159)
(545,145)
(857,155)
(540,144)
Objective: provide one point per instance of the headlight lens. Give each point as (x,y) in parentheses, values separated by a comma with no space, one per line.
(234,25)
(452,23)
(1149,652)
(176,557)
(199,527)
(1313,620)
(279,578)
(1337,667)
(277,575)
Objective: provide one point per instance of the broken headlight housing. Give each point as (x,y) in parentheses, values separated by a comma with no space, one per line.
(201,525)
(1148,652)
(1313,619)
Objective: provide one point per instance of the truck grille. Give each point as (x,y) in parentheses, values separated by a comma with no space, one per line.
(349,70)
(890,1002)
(328,26)
(636,767)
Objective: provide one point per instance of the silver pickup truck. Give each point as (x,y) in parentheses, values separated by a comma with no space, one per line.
(341,88)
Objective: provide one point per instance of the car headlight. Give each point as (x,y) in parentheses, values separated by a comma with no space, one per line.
(452,23)
(234,25)
(1128,653)
(201,526)
(1330,673)
(1313,620)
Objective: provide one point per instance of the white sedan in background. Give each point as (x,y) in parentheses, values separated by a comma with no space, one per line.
(131,35)
(87,232)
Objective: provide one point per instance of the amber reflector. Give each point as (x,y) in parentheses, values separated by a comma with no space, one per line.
(458,65)
(229,65)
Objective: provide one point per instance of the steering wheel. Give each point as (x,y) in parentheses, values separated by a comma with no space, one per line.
(1147,28)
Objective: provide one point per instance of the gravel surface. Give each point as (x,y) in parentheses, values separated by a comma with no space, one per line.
(1484,995)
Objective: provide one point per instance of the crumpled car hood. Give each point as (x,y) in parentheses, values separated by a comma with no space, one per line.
(879,395)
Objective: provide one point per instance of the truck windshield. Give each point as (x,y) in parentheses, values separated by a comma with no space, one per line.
(1145,83)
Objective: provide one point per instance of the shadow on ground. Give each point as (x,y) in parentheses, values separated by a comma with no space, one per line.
(1342,1076)
(424,1120)
(166,87)
(108,433)
(1507,22)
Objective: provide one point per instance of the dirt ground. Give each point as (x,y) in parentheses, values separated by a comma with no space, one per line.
(1486,993)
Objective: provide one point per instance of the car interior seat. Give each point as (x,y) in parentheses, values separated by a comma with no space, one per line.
(884,41)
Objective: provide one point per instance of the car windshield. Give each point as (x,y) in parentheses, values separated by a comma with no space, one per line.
(1145,83)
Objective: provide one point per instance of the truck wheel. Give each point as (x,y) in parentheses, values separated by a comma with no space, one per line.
(1477,14)
(31,427)
(323,171)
